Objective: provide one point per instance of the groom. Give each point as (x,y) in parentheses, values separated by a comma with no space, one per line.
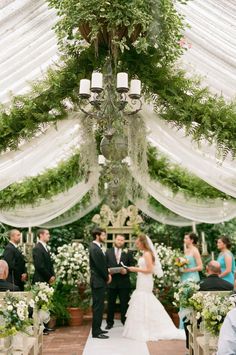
(99,280)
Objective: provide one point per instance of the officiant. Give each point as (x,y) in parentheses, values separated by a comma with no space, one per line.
(120,286)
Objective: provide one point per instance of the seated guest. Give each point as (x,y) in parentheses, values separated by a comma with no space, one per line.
(214,282)
(227,338)
(5,285)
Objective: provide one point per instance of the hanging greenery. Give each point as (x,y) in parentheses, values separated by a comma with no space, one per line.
(183,101)
(45,103)
(179,179)
(45,185)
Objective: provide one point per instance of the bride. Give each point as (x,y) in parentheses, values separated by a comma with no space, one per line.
(146,317)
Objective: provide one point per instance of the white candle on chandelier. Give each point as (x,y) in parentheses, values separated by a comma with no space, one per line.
(212,255)
(122,81)
(84,88)
(96,82)
(135,87)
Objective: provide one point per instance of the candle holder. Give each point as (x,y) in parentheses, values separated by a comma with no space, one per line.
(107,96)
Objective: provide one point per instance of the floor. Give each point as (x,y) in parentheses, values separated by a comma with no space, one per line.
(71,341)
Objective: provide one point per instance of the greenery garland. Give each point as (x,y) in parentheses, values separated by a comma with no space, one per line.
(45,185)
(28,113)
(179,179)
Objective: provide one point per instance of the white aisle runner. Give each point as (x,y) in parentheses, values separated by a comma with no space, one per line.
(115,345)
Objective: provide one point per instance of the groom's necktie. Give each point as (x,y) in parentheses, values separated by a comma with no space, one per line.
(117,252)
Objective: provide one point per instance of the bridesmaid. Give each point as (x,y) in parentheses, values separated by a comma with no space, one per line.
(191,271)
(226,259)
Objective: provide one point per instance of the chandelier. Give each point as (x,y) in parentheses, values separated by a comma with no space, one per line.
(108,96)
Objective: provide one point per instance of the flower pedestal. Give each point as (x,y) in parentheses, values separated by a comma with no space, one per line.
(76,316)
(5,345)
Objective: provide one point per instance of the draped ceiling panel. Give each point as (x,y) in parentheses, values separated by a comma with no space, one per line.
(41,153)
(28,45)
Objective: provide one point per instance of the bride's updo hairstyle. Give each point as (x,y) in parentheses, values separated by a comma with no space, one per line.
(143,239)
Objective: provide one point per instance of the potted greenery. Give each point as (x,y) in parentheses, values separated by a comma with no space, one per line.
(77,304)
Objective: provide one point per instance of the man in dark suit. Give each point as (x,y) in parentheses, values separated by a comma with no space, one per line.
(15,260)
(5,285)
(120,285)
(99,280)
(213,282)
(43,264)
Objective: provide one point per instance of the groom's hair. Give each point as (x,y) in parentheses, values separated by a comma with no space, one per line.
(97,231)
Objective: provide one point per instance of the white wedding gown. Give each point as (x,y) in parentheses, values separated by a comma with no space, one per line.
(147,319)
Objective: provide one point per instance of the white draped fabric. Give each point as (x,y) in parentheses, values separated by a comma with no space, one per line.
(44,152)
(46,210)
(201,161)
(173,220)
(28,45)
(68,217)
(207,211)
(213,43)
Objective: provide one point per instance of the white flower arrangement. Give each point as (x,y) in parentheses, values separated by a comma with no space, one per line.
(42,295)
(14,315)
(72,264)
(167,257)
(214,311)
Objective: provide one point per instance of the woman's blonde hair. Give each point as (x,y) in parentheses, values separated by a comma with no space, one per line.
(143,239)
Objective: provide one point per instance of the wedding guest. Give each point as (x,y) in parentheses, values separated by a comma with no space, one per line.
(226,259)
(120,285)
(15,260)
(5,285)
(99,280)
(213,282)
(227,337)
(43,264)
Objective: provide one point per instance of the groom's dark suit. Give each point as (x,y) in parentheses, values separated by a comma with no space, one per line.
(120,285)
(99,278)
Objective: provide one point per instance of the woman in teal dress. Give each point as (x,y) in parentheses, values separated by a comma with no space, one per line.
(226,259)
(191,271)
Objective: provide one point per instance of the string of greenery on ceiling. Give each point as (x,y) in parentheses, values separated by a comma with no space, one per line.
(43,186)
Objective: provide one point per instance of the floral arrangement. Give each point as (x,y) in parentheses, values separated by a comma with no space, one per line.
(14,315)
(185,291)
(165,287)
(167,257)
(72,264)
(196,302)
(215,309)
(42,295)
